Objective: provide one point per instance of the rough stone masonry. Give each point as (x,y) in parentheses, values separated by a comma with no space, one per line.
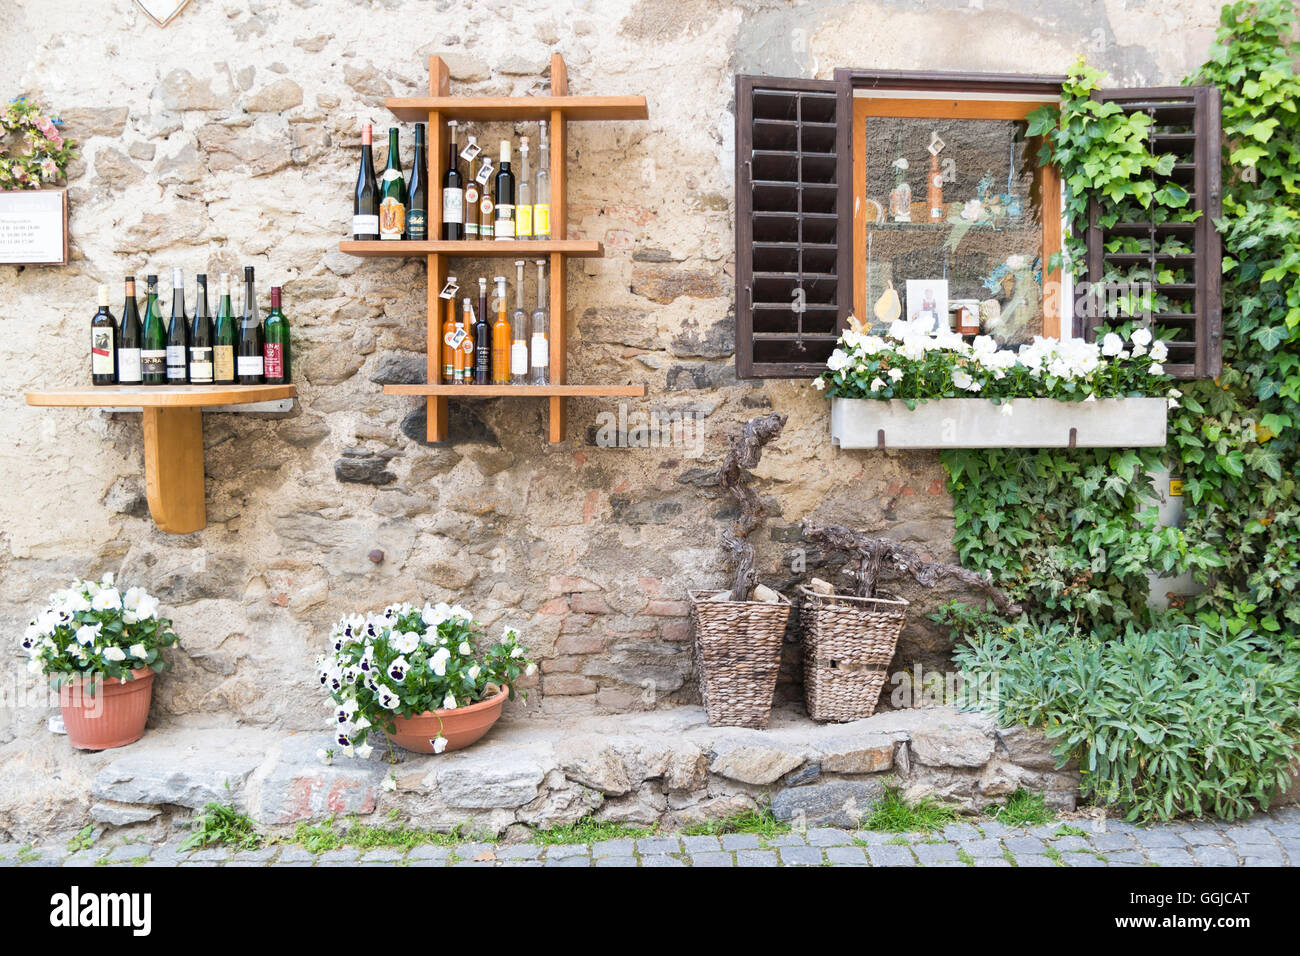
(229,138)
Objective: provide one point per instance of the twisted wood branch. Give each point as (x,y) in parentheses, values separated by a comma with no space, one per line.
(743,453)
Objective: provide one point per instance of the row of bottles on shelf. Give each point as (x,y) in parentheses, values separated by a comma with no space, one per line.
(513,350)
(220,350)
(475,204)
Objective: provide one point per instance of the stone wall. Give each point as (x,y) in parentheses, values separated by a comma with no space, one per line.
(229,139)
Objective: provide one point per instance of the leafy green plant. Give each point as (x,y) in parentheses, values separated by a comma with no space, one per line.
(84,840)
(589,830)
(220,824)
(892,813)
(326,835)
(1022,809)
(1163,721)
(759,822)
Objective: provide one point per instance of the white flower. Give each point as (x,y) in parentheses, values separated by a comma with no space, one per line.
(474,671)
(404,642)
(1173,403)
(34,665)
(877,384)
(106,600)
(147,608)
(516,652)
(390,783)
(397,670)
(530,670)
(464,650)
(1141,336)
(387,699)
(439,744)
(88,633)
(75,601)
(1112,345)
(461,613)
(1159,351)
(438,663)
(114,654)
(895,374)
(984,345)
(324,756)
(107,579)
(819,384)
(961,379)
(1007,410)
(138,652)
(1092,397)
(1175,393)
(449,702)
(838,361)
(364,751)
(1156,369)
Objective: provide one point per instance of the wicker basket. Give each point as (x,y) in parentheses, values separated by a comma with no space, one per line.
(848,643)
(738,653)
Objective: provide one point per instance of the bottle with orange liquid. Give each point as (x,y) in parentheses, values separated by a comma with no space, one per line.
(463,357)
(448,331)
(501,338)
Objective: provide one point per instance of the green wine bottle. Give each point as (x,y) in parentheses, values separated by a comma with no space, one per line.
(153,338)
(392,193)
(223,337)
(275,342)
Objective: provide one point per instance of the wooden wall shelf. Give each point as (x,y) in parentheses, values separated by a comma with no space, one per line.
(173,437)
(557,109)
(482,249)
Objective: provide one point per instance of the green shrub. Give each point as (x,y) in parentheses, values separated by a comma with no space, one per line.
(1163,721)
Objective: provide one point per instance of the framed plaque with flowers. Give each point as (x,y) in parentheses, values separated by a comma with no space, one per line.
(34,155)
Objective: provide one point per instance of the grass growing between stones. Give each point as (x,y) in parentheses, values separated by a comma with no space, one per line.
(220,824)
(84,840)
(893,814)
(757,822)
(1024,809)
(589,830)
(319,837)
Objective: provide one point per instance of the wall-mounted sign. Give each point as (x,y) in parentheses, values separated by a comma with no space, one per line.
(161,12)
(34,227)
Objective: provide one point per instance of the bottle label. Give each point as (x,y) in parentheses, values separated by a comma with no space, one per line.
(365,225)
(484,173)
(469,152)
(390,175)
(541,351)
(485,208)
(176,362)
(274,352)
(417,223)
(454,339)
(101,352)
(128,366)
(250,365)
(223,362)
(541,219)
(453,205)
(523,221)
(392,218)
(505,227)
(153,361)
(519,358)
(200,365)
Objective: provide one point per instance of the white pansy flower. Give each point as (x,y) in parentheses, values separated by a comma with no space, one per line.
(530,670)
(819,384)
(390,783)
(961,379)
(1156,369)
(364,751)
(387,699)
(88,633)
(877,384)
(439,744)
(324,756)
(108,599)
(114,654)
(895,374)
(1141,336)
(449,702)
(464,650)
(438,663)
(474,671)
(838,360)
(107,579)
(404,642)
(1159,351)
(1111,345)
(138,652)
(516,652)
(147,608)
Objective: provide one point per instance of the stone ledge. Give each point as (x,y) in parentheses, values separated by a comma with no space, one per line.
(665,766)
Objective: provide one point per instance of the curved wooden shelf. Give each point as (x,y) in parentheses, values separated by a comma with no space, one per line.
(519,391)
(482,249)
(173,437)
(416,109)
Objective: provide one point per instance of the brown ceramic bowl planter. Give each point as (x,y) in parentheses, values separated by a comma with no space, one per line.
(100,713)
(462,726)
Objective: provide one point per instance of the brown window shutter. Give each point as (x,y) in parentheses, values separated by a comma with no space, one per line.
(1186,122)
(790,236)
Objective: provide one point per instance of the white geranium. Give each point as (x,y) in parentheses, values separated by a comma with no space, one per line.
(1141,336)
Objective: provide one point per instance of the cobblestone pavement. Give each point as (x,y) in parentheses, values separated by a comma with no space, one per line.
(1271,839)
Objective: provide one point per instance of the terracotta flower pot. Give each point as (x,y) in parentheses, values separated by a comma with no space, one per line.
(109,714)
(462,726)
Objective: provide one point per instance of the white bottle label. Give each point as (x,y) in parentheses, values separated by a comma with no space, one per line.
(176,361)
(200,365)
(505,222)
(453,205)
(541,351)
(365,225)
(249,364)
(128,365)
(519,358)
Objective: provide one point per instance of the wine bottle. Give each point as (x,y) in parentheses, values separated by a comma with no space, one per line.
(128,342)
(463,344)
(504,196)
(449,333)
(365,207)
(249,362)
(524,195)
(225,337)
(275,347)
(392,190)
(519,331)
(542,198)
(201,371)
(153,338)
(103,343)
(417,191)
(541,338)
(453,192)
(482,339)
(501,338)
(178,335)
(473,192)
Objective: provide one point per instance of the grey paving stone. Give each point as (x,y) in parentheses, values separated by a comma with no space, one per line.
(382,855)
(1283,831)
(873,837)
(991,861)
(171,852)
(297,854)
(260,855)
(929,853)
(471,862)
(829,836)
(655,845)
(846,855)
(511,863)
(1171,856)
(982,849)
(1214,856)
(740,841)
(1250,836)
(347,854)
(1046,831)
(616,861)
(521,851)
(701,844)
(1202,836)
(1033,859)
(208,855)
(801,856)
(564,850)
(85,857)
(786,839)
(707,858)
(1292,849)
(238,863)
(625,847)
(1068,843)
(891,856)
(660,860)
(961,831)
(276,863)
(467,851)
(133,851)
(1158,838)
(1125,858)
(1107,842)
(1253,855)
(756,857)
(992,828)
(1081,859)
(1024,844)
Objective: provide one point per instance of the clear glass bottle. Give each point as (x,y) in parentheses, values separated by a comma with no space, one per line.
(523,195)
(540,350)
(519,331)
(542,199)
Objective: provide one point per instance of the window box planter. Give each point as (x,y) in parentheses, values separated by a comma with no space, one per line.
(979,423)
